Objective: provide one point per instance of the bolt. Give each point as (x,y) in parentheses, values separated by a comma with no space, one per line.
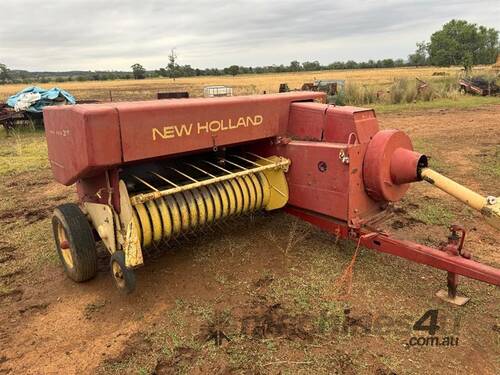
(490,200)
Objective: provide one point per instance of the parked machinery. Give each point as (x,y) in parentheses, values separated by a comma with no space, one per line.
(148,172)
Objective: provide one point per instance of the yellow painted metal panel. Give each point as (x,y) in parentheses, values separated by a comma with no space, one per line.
(156,223)
(165,217)
(193,210)
(217,201)
(202,211)
(209,204)
(238,196)
(175,214)
(147,230)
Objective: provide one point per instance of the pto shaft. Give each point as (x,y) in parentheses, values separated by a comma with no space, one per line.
(489,207)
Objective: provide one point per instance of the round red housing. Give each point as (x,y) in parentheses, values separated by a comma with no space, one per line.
(390,164)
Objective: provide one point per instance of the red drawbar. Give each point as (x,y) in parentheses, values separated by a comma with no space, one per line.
(406,249)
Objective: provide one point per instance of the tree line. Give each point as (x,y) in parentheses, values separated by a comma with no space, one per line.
(456,43)
(178,71)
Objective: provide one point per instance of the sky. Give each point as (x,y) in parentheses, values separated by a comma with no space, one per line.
(60,35)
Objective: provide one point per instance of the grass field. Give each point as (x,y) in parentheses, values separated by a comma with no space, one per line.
(121,90)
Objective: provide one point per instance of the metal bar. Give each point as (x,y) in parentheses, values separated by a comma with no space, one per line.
(467,196)
(164,179)
(144,197)
(145,183)
(279,191)
(185,175)
(259,157)
(244,159)
(434,258)
(406,249)
(489,207)
(252,162)
(217,166)
(236,165)
(201,170)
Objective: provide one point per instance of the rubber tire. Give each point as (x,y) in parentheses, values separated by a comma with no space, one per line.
(81,240)
(129,281)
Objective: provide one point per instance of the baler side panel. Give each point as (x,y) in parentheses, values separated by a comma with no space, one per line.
(150,130)
(317,179)
(361,206)
(306,121)
(168,131)
(343,121)
(81,141)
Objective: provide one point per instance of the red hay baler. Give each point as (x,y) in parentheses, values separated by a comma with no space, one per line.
(151,171)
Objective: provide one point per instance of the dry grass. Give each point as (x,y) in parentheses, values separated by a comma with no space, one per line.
(243,84)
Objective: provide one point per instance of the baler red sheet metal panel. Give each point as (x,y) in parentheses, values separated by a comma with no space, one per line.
(97,137)
(322,133)
(319,122)
(81,140)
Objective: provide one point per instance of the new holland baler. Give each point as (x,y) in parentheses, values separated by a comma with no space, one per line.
(149,172)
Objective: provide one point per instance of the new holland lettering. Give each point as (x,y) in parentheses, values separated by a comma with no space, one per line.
(211,126)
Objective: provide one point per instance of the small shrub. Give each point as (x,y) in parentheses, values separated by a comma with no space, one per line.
(357,94)
(369,94)
(402,90)
(353,93)
(340,98)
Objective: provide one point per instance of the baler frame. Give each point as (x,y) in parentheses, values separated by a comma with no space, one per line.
(330,166)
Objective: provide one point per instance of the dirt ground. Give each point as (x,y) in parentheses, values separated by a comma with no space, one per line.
(259,294)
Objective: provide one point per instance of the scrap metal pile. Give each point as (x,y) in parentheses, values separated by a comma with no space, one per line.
(28,104)
(479,86)
(148,172)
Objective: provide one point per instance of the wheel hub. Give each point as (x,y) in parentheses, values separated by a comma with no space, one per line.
(118,274)
(65,247)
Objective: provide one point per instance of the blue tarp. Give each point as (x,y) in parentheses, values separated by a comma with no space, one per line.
(47,97)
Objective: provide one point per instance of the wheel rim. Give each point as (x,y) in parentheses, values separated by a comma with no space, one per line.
(66,253)
(118,274)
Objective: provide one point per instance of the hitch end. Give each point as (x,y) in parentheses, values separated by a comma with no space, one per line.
(491,212)
(489,207)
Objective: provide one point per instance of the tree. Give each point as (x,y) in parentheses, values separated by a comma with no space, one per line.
(399,62)
(463,43)
(388,63)
(233,70)
(295,66)
(4,73)
(351,64)
(420,57)
(311,66)
(172,67)
(162,72)
(138,71)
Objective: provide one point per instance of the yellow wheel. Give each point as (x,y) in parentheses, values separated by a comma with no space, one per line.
(75,243)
